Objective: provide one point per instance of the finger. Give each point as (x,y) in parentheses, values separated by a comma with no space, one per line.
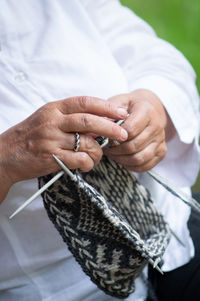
(143,157)
(145,167)
(76,160)
(137,121)
(92,105)
(88,123)
(139,143)
(151,163)
(66,141)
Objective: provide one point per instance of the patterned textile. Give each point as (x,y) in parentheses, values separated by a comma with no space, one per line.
(109,222)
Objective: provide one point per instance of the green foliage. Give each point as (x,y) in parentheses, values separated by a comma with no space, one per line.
(177,21)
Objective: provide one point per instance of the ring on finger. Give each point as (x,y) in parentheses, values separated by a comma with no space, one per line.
(76,142)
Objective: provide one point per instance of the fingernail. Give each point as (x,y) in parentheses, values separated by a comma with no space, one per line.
(124,134)
(122,112)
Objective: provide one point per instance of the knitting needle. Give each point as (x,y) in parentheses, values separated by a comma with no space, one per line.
(55,178)
(187,199)
(38,193)
(64,167)
(155,266)
(175,191)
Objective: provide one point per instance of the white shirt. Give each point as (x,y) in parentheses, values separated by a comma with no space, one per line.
(52,50)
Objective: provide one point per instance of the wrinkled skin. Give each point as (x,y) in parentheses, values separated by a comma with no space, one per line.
(148,126)
(26,149)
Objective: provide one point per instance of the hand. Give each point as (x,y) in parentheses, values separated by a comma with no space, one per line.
(27,148)
(148,127)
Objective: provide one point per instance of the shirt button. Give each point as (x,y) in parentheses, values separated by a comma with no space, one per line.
(20,77)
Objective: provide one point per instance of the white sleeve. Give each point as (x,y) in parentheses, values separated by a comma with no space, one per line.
(151,63)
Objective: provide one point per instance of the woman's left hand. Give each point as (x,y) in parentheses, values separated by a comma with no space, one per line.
(148,127)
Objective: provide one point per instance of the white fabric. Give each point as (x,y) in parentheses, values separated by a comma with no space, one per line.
(52,50)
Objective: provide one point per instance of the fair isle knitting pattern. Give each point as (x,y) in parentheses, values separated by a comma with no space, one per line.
(110,224)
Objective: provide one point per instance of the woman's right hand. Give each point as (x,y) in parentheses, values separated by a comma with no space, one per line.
(26,149)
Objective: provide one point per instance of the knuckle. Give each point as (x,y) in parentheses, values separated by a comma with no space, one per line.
(86,121)
(84,162)
(48,107)
(163,151)
(82,158)
(138,159)
(83,102)
(47,114)
(108,106)
(131,147)
(159,129)
(88,143)
(149,154)
(92,148)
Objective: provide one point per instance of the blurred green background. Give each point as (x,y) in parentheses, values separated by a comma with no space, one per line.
(177,21)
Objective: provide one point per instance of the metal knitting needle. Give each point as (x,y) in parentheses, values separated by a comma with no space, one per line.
(38,193)
(64,167)
(43,188)
(54,179)
(175,191)
(187,199)
(155,266)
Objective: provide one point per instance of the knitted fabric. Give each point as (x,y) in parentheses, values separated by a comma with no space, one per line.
(109,222)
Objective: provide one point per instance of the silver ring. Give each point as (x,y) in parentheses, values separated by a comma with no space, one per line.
(76,142)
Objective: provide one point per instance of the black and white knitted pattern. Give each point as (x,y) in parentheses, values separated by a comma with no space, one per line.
(110,224)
